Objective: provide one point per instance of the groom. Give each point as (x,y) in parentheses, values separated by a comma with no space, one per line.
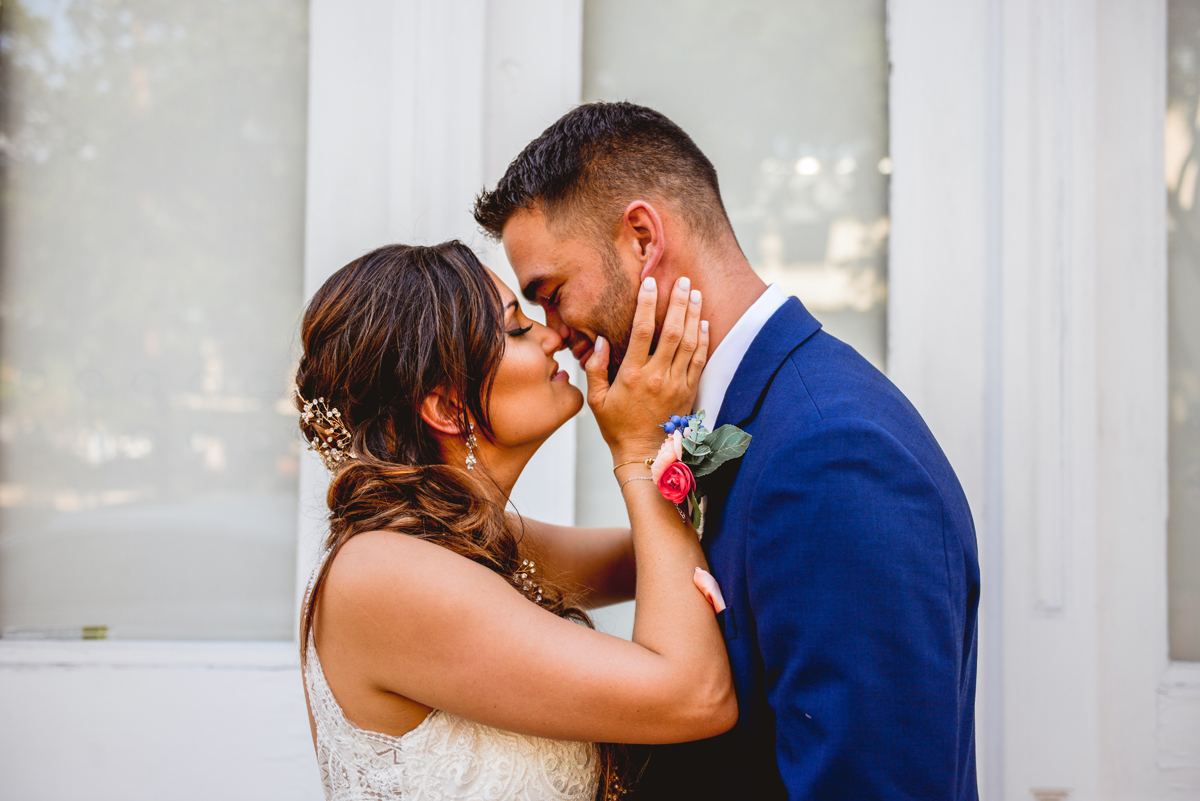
(842,540)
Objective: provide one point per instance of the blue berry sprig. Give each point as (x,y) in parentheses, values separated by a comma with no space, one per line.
(678,423)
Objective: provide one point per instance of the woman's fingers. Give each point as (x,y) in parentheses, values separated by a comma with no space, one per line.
(699,356)
(596,370)
(642,333)
(673,324)
(712,591)
(649,389)
(691,337)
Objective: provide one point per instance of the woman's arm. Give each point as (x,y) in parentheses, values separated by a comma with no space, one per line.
(416,620)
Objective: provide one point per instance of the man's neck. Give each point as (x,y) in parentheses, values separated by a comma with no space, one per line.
(729,287)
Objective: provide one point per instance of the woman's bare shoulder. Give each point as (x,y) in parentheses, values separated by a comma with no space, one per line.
(388,567)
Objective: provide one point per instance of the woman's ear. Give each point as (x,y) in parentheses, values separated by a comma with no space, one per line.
(441,413)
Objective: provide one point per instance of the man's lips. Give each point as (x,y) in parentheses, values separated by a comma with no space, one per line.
(583,351)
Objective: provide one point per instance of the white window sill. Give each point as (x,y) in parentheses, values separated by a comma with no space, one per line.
(150,654)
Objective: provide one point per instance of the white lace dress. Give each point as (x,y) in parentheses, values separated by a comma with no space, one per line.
(446,758)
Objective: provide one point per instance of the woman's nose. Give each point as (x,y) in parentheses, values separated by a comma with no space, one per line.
(553,341)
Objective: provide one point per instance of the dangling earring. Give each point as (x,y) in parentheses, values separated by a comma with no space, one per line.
(471,445)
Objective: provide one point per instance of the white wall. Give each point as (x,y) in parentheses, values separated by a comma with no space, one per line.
(180,721)
(1028,323)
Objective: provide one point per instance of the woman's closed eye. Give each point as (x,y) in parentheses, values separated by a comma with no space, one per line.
(513,316)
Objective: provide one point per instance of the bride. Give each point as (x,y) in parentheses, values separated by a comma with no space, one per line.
(442,648)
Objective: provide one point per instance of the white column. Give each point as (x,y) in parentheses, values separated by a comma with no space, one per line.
(1049,400)
(943,261)
(534,68)
(415,106)
(992,335)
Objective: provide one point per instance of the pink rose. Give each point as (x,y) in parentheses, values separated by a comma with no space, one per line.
(670,452)
(676,482)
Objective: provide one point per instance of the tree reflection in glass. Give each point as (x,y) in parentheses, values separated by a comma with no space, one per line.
(152,211)
(788,98)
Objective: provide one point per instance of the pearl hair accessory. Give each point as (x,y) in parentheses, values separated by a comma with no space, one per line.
(329,436)
(524,577)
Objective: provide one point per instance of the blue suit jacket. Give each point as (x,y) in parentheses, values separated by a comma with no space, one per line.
(846,552)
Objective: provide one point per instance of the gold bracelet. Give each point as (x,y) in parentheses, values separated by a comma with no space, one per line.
(635,478)
(646,462)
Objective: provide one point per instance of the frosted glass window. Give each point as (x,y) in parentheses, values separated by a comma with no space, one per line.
(151,233)
(1182,165)
(788,98)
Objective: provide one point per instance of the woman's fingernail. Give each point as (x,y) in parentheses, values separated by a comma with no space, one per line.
(704,326)
(696,296)
(599,346)
(685,283)
(649,285)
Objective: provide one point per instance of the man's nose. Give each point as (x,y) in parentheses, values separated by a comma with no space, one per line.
(555,323)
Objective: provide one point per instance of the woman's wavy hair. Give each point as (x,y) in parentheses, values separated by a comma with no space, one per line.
(378,337)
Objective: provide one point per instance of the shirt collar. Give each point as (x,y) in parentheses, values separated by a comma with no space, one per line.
(724,361)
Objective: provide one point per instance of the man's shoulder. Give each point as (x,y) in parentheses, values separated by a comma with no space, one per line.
(825,379)
(826,400)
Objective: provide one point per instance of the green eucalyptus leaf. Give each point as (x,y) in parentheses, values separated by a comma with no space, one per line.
(727,442)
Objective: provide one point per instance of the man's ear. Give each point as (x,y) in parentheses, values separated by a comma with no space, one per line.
(643,230)
(441,413)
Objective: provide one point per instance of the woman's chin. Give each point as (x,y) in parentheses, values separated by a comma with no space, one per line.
(570,406)
(577,403)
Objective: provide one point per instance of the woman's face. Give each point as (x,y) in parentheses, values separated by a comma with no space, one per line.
(531,396)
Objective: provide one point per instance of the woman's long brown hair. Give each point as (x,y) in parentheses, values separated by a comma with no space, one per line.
(379,336)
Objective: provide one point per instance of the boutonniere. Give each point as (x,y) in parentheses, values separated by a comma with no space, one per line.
(690,451)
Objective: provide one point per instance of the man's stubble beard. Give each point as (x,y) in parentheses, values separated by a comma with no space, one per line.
(613,315)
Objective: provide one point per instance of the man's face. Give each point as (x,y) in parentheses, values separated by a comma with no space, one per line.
(586,290)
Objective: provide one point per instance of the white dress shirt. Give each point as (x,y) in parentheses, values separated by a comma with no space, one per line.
(723,362)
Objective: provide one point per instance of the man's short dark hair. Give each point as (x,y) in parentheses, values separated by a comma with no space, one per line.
(587,167)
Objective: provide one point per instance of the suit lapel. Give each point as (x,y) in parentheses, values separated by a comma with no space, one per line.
(787,329)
